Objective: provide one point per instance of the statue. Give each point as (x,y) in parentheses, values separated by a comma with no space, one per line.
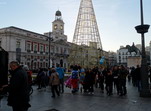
(132,49)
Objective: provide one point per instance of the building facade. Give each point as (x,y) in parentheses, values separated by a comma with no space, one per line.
(126,53)
(85,56)
(112,58)
(37,50)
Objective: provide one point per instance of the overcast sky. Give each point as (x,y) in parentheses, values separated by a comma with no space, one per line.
(116,19)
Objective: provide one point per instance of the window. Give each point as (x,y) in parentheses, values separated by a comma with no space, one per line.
(35,47)
(28,46)
(65,51)
(61,27)
(35,58)
(65,65)
(40,64)
(57,49)
(47,49)
(41,48)
(18,44)
(61,49)
(119,57)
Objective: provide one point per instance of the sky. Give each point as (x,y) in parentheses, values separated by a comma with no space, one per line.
(116,19)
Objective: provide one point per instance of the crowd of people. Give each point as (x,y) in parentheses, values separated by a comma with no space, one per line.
(85,80)
(101,77)
(106,78)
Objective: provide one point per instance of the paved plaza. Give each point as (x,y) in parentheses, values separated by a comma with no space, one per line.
(41,101)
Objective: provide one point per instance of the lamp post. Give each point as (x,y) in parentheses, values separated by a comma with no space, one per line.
(142,29)
(49,39)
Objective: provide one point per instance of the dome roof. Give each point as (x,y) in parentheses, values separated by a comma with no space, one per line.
(58,13)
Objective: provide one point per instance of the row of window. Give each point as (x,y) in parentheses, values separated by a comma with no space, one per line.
(123,57)
(37,47)
(37,65)
(36,57)
(124,53)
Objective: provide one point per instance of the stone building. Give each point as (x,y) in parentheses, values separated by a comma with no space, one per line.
(112,58)
(34,49)
(85,56)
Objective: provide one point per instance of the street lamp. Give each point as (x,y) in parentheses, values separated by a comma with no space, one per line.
(49,39)
(142,29)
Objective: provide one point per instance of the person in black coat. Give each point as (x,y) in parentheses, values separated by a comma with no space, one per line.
(123,72)
(89,81)
(115,73)
(108,81)
(18,96)
(137,72)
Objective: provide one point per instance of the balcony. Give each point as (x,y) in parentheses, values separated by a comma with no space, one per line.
(61,55)
(35,59)
(35,51)
(28,50)
(28,59)
(41,52)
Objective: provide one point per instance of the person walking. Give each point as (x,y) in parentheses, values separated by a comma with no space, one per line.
(74,79)
(54,82)
(109,82)
(61,78)
(41,79)
(18,97)
(115,73)
(89,81)
(101,79)
(123,72)
(137,72)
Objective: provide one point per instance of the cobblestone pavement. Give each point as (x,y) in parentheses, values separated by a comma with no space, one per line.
(41,101)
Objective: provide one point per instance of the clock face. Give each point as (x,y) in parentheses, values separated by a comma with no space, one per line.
(55,27)
(61,27)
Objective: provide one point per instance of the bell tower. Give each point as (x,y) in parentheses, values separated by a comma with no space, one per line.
(58,24)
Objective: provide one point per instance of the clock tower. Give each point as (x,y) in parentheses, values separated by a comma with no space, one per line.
(58,24)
